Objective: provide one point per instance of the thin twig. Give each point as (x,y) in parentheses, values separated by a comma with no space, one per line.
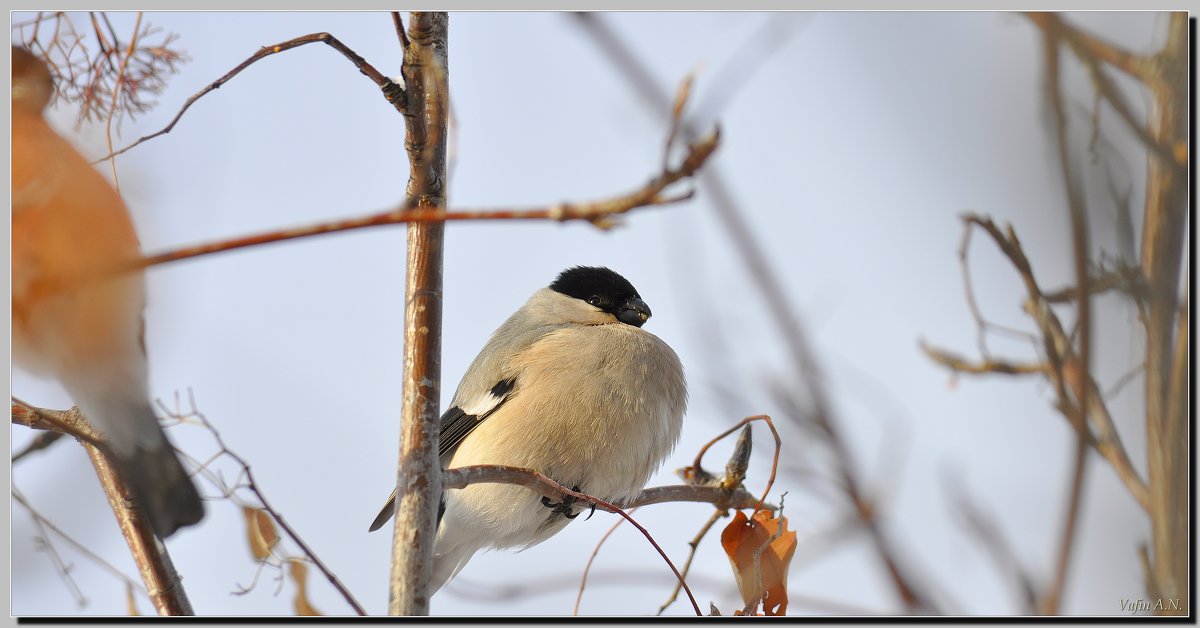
(774,463)
(463,476)
(46,523)
(1052,598)
(693,545)
(982,325)
(400,34)
(1060,362)
(39,442)
(253,487)
(765,279)
(599,212)
(43,540)
(591,559)
(1052,26)
(392,92)
(983,527)
(1126,279)
(117,93)
(959,364)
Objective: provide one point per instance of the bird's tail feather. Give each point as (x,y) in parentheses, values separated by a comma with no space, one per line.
(448,564)
(144,458)
(162,487)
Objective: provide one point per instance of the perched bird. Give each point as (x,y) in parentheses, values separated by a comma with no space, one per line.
(571,386)
(69,225)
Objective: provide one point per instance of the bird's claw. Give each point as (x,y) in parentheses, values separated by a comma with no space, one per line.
(566,506)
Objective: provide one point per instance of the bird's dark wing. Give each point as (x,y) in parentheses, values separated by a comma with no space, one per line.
(460,420)
(457,423)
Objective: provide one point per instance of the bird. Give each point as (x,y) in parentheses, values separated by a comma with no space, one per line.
(74,324)
(570,386)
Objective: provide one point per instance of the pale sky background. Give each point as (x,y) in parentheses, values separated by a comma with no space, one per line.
(852,149)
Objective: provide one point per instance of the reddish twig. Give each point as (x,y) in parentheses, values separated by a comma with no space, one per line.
(464,476)
(774,463)
(693,546)
(600,213)
(591,559)
(117,87)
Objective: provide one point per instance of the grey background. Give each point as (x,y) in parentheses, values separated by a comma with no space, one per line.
(852,148)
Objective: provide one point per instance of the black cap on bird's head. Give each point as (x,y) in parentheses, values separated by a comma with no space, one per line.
(604,289)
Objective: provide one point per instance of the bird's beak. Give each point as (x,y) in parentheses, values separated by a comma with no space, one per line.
(634,312)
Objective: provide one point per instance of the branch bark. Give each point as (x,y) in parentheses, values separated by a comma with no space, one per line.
(1163,243)
(153,562)
(418,474)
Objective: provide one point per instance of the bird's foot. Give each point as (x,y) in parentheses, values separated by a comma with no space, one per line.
(566,506)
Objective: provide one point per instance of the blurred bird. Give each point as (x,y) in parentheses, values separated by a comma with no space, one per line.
(68,225)
(571,386)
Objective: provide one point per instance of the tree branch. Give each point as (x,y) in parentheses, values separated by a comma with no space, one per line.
(392,92)
(425,73)
(1052,599)
(263,504)
(154,563)
(599,212)
(464,476)
(1060,366)
(764,278)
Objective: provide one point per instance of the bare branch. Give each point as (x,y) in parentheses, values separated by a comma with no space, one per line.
(392,92)
(398,22)
(984,529)
(1061,365)
(39,442)
(764,278)
(153,561)
(959,364)
(591,559)
(693,545)
(464,476)
(1052,26)
(736,467)
(1126,279)
(426,80)
(599,212)
(45,524)
(112,108)
(249,483)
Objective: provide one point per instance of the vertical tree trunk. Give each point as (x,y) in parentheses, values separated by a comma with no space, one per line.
(1163,244)
(419,474)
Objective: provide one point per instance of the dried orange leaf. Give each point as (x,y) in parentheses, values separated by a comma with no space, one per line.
(260,531)
(760,550)
(300,577)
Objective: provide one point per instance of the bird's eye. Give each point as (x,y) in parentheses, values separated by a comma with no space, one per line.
(596,301)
